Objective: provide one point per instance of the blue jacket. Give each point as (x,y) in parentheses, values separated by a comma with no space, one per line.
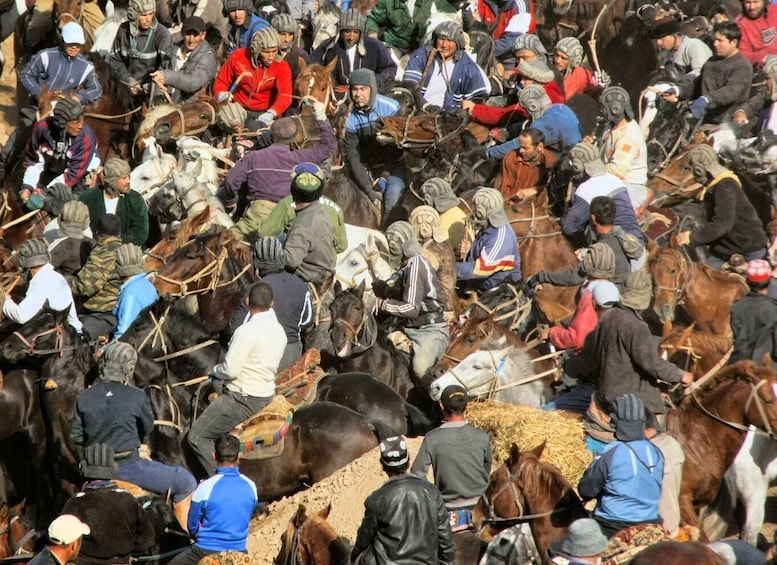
(494,257)
(241,36)
(57,71)
(579,212)
(135,295)
(626,481)
(467,81)
(221,510)
(560,126)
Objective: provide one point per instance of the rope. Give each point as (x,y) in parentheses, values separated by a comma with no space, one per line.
(19,220)
(159,555)
(182,352)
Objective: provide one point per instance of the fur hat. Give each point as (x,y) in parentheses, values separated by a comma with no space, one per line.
(599,262)
(34,253)
(74,219)
(129,260)
(637,291)
(118,362)
(536,70)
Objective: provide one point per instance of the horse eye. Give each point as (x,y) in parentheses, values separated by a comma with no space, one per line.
(354,262)
(477,367)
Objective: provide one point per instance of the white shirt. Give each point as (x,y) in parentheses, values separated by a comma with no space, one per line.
(351,53)
(111,204)
(47,284)
(438,83)
(254,353)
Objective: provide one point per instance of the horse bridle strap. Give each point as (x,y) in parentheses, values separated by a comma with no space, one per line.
(175,412)
(59,346)
(753,395)
(367,328)
(678,289)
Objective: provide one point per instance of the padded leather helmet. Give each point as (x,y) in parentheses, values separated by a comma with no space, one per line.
(599,262)
(401,239)
(534,99)
(34,253)
(617,104)
(531,42)
(268,256)
(489,206)
(571,47)
(438,192)
(264,40)
(232,5)
(352,19)
(137,7)
(454,32)
(284,23)
(66,111)
(770,70)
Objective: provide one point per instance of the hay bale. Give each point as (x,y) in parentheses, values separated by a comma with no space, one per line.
(528,427)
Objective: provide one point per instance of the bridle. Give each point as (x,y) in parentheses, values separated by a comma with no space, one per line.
(370,257)
(680,283)
(367,330)
(16,547)
(754,388)
(211,271)
(59,344)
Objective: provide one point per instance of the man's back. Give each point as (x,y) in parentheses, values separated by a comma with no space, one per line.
(754,323)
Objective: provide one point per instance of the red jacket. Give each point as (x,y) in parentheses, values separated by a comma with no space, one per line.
(266,89)
(495,116)
(579,81)
(489,16)
(759,37)
(583,323)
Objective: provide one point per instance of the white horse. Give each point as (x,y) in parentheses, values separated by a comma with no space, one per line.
(504,370)
(155,170)
(106,33)
(364,261)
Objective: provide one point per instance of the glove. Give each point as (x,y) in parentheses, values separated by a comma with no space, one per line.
(224,97)
(380,288)
(319,111)
(35,201)
(602,79)
(699,107)
(266,118)
(536,280)
(218,385)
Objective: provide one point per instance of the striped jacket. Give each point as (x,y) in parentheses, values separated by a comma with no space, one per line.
(137,55)
(493,257)
(50,153)
(98,280)
(421,293)
(56,71)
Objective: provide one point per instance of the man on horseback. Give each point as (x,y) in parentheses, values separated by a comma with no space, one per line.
(758,24)
(71,248)
(65,537)
(136,292)
(754,317)
(438,193)
(446,73)
(243,24)
(414,295)
(435,247)
(405,520)
(115,413)
(288,48)
(568,58)
(526,170)
(757,114)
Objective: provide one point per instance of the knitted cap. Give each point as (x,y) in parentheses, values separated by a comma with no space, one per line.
(663,27)
(637,291)
(393,453)
(599,262)
(74,219)
(119,362)
(129,260)
(758,271)
(232,115)
(34,253)
(531,42)
(361,77)
(109,224)
(307,177)
(535,70)
(115,169)
(268,256)
(628,417)
(284,130)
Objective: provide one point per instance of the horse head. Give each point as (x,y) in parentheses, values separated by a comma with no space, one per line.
(315,81)
(349,315)
(16,536)
(468,339)
(670,271)
(167,123)
(175,238)
(478,371)
(325,23)
(668,134)
(309,539)
(196,267)
(44,334)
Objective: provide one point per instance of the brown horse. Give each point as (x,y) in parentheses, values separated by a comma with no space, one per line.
(311,540)
(175,238)
(315,81)
(423,131)
(524,489)
(16,537)
(677,553)
(168,122)
(695,351)
(710,425)
(557,19)
(678,281)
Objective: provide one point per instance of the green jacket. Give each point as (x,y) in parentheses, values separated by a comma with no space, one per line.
(131,210)
(282,216)
(391,20)
(98,280)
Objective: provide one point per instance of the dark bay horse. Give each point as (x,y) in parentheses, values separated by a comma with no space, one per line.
(175,238)
(310,539)
(322,438)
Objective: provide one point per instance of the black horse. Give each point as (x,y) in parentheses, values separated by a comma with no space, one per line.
(669,134)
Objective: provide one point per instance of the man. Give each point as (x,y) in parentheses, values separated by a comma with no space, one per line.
(435,247)
(758,24)
(46,285)
(405,520)
(249,369)
(221,507)
(71,248)
(136,292)
(460,455)
(367,158)
(98,282)
(267,172)
(353,50)
(493,257)
(255,78)
(65,537)
(115,413)
(583,544)
(568,58)
(62,148)
(193,67)
(288,30)
(226,132)
(113,196)
(527,169)
(142,46)
(414,294)
(732,222)
(452,76)
(506,21)
(438,193)
(671,482)
(755,115)
(625,479)
(243,24)
(754,317)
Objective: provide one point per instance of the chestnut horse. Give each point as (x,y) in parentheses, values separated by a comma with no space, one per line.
(711,423)
(310,539)
(167,123)
(695,351)
(16,537)
(175,238)
(705,294)
(524,489)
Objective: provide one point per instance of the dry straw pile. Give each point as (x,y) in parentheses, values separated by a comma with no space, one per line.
(529,427)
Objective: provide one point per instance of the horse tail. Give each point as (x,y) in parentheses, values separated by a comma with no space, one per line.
(417,422)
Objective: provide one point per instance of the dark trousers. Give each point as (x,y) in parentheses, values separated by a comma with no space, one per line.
(192,555)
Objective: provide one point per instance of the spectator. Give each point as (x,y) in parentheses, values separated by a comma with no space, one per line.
(66,534)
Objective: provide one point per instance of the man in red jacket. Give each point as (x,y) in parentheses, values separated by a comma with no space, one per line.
(257,79)
(758,23)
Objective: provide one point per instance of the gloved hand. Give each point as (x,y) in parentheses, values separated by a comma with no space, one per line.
(224,97)
(319,111)
(137,89)
(535,280)
(217,384)
(266,118)
(602,79)
(699,107)
(380,288)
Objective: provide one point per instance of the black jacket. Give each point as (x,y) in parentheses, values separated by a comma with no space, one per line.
(370,54)
(754,324)
(405,523)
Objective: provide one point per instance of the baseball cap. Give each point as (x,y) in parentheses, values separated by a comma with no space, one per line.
(605,293)
(66,529)
(193,23)
(73,33)
(454,395)
(758,271)
(393,452)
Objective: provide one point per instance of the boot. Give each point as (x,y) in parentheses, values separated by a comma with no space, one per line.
(181,512)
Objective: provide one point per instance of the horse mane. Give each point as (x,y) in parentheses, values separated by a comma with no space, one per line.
(721,277)
(743,371)
(699,340)
(539,477)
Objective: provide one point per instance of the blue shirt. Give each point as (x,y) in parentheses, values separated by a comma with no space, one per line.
(241,36)
(559,125)
(134,295)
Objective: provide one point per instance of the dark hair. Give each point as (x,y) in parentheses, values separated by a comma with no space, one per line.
(603,210)
(227,448)
(455,405)
(260,296)
(536,135)
(757,286)
(729,30)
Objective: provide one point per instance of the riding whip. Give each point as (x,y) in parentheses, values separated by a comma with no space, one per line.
(592,41)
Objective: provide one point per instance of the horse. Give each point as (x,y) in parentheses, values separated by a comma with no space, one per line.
(564,18)
(679,281)
(710,424)
(16,536)
(418,133)
(677,553)
(153,171)
(695,351)
(375,400)
(497,370)
(524,489)
(168,123)
(325,22)
(311,539)
(668,135)
(322,438)
(175,238)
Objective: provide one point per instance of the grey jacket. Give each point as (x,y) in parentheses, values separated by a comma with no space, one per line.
(309,248)
(197,71)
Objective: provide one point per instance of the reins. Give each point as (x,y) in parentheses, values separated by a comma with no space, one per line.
(212,270)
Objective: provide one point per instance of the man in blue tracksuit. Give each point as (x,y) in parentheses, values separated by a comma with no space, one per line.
(243,24)
(221,507)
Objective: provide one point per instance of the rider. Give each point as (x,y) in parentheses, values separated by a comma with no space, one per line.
(114,412)
(568,58)
(414,294)
(136,292)
(435,247)
(438,193)
(256,79)
(243,24)
(288,32)
(758,24)
(754,317)
(506,21)
(65,534)
(527,169)
(493,257)
(755,113)
(226,132)
(62,149)
(69,251)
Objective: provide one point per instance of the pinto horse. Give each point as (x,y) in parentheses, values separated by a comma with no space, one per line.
(309,538)
(678,281)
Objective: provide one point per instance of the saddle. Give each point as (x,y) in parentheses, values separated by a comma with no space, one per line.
(628,542)
(262,435)
(296,381)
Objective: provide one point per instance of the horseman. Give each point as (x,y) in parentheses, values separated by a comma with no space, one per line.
(115,413)
(758,24)
(526,170)
(255,78)
(142,46)
(754,317)
(62,149)
(59,69)
(226,132)
(435,247)
(446,73)
(193,66)
(353,50)
(136,292)
(732,222)
(70,249)
(366,158)
(493,257)
(288,46)
(243,24)
(65,536)
(568,59)
(438,193)
(756,115)
(414,294)
(506,21)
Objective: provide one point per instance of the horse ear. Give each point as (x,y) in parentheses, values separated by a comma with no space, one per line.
(324,512)
(338,288)
(301,65)
(767,361)
(539,449)
(515,453)
(369,244)
(202,215)
(331,66)
(360,289)
(61,315)
(300,516)
(687,332)
(666,328)
(46,307)
(17,510)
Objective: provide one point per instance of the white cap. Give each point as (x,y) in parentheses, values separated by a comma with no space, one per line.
(73,33)
(66,529)
(605,293)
